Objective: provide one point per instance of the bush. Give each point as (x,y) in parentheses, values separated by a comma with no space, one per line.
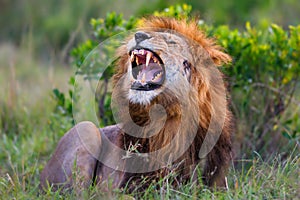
(262,79)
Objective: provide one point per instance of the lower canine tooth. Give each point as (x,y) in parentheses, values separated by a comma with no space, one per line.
(137,60)
(143,78)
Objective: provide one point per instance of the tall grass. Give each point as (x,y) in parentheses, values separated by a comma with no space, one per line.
(257,179)
(28,132)
(26,87)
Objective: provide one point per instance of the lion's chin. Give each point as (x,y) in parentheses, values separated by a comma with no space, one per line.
(142,97)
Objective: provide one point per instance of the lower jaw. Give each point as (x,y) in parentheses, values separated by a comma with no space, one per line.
(150,86)
(142,97)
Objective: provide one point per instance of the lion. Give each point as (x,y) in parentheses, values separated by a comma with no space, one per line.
(170,98)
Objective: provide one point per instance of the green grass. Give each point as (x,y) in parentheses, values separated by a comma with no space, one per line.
(30,131)
(26,155)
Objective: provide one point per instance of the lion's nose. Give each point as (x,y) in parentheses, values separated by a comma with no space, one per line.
(141,36)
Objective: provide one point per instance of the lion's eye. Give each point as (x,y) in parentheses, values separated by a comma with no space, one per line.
(187,69)
(171,42)
(169,39)
(186,64)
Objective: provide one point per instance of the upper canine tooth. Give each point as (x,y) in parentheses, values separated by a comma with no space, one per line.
(148,57)
(137,60)
(132,57)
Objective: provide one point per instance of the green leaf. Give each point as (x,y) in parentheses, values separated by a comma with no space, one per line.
(286,135)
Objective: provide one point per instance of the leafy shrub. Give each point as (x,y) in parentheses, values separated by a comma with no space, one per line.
(64,103)
(262,79)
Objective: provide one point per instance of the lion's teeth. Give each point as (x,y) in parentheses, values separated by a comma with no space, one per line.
(143,78)
(157,76)
(148,57)
(142,51)
(132,57)
(154,79)
(135,51)
(137,60)
(155,60)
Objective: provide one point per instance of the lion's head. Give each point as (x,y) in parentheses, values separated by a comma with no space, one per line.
(172,63)
(168,59)
(165,53)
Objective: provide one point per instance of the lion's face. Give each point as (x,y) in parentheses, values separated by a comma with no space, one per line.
(156,61)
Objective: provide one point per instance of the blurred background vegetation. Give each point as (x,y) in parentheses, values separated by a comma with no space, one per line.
(49,29)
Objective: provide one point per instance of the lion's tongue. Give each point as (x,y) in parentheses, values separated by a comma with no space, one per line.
(147,74)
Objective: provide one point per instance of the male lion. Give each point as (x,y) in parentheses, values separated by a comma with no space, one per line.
(172,112)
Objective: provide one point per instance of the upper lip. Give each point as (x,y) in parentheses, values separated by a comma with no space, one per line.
(146,52)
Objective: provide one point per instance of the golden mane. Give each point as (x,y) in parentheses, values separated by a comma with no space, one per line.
(190,29)
(203,83)
(189,113)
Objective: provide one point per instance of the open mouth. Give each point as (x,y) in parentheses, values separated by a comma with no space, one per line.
(147,70)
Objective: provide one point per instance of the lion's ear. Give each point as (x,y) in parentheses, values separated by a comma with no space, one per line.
(218,56)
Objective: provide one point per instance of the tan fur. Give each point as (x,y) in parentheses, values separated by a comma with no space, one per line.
(217,161)
(190,30)
(190,105)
